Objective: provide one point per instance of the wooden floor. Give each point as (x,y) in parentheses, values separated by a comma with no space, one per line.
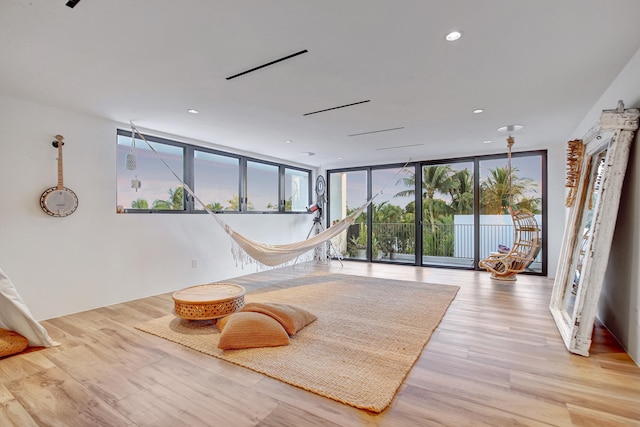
(496,359)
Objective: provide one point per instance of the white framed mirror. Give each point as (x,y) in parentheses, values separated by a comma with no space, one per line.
(590,226)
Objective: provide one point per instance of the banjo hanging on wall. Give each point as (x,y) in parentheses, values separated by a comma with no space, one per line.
(59,201)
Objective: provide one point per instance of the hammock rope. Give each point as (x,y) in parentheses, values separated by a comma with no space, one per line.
(264,253)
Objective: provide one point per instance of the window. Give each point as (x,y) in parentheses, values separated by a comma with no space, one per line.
(216,181)
(262,187)
(222,181)
(296,190)
(151,186)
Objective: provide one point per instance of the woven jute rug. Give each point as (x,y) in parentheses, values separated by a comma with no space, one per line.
(368,335)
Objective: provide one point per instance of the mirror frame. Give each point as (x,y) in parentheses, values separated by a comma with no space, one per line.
(613,134)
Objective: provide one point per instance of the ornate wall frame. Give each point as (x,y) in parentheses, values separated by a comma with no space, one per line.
(590,226)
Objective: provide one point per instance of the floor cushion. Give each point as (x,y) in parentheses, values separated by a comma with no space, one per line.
(11,342)
(250,330)
(291,318)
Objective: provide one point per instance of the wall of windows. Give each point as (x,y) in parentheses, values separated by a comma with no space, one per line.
(448,213)
(224,182)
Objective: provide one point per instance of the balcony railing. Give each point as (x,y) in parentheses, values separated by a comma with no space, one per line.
(438,241)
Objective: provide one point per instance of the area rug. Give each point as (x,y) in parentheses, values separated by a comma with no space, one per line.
(368,335)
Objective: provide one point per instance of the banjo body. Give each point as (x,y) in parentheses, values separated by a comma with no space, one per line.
(59,201)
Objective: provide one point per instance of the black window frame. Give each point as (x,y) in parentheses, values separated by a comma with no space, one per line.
(418,164)
(189,204)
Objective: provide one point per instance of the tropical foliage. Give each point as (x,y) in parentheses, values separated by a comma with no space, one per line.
(446,192)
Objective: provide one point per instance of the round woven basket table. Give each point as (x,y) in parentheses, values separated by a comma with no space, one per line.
(210,301)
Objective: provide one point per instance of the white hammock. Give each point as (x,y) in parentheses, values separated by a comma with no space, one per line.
(272,255)
(266,254)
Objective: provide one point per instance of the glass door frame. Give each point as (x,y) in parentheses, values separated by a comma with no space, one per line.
(418,167)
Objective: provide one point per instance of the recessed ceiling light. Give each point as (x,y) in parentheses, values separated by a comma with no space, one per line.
(487,141)
(453,36)
(478,111)
(339,158)
(510,128)
(288,141)
(308,153)
(192,111)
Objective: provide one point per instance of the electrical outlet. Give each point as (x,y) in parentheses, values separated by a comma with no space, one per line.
(194,263)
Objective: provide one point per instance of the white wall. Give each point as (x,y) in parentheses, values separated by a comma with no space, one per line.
(96,257)
(620,297)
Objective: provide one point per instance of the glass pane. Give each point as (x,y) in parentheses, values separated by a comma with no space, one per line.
(262,187)
(393,215)
(525,193)
(216,181)
(347,192)
(447,214)
(151,185)
(296,190)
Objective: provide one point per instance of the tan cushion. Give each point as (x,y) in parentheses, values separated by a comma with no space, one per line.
(250,330)
(11,342)
(291,318)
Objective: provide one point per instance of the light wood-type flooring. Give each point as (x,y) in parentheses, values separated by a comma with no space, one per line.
(496,359)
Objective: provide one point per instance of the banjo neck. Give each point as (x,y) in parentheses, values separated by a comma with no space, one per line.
(60,185)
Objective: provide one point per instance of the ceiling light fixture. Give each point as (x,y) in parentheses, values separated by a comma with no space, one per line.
(308,153)
(288,141)
(453,36)
(478,111)
(192,111)
(487,141)
(510,128)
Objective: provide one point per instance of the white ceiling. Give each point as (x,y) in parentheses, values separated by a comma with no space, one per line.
(540,63)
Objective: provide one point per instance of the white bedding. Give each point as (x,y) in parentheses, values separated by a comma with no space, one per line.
(15,315)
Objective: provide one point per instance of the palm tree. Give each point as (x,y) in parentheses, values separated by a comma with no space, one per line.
(140,204)
(175,202)
(215,207)
(435,179)
(497,193)
(462,192)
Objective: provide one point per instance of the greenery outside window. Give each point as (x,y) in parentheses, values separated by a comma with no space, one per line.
(448,213)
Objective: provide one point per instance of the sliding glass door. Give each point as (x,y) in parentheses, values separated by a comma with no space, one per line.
(447,214)
(524,193)
(348,190)
(393,219)
(443,213)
